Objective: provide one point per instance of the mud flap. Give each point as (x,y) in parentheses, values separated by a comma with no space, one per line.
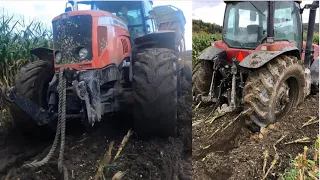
(307,89)
(315,72)
(43,53)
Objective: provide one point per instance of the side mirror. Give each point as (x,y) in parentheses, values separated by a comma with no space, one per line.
(68,9)
(253,16)
(314,5)
(71,2)
(152,12)
(152,15)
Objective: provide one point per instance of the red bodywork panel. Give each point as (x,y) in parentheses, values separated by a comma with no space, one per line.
(240,54)
(110,42)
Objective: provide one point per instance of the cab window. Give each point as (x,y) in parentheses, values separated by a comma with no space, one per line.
(287,23)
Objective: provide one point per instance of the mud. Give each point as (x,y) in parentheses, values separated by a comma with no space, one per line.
(140,159)
(236,153)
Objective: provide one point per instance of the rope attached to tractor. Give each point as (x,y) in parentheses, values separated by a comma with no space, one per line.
(61,129)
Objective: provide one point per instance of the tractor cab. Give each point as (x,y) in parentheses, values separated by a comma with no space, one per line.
(135,14)
(250,23)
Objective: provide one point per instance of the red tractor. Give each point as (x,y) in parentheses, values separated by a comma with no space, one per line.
(261,64)
(109,64)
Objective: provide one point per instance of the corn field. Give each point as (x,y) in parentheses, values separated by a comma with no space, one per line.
(16,40)
(202,40)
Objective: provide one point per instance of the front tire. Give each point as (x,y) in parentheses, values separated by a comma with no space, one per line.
(155,92)
(274,90)
(32,83)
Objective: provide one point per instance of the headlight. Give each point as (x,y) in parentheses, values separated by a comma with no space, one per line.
(83,53)
(58,57)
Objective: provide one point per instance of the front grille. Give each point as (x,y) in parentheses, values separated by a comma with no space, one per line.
(71,34)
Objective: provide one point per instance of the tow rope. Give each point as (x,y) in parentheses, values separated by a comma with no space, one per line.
(61,129)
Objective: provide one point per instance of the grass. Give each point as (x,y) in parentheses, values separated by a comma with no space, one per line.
(304,168)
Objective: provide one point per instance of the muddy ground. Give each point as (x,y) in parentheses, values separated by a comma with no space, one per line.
(140,159)
(236,153)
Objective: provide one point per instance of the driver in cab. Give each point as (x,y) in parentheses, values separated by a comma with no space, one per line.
(125,17)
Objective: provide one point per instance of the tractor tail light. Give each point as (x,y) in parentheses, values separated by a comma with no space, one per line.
(102,38)
(240,56)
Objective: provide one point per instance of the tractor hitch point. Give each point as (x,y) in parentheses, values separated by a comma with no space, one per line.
(39,115)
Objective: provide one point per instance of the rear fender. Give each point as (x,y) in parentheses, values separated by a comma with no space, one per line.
(211,53)
(259,58)
(160,39)
(43,53)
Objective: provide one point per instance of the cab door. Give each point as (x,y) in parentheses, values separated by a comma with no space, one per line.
(150,23)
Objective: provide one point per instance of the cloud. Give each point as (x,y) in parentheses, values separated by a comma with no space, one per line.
(209,14)
(43,11)
(201,4)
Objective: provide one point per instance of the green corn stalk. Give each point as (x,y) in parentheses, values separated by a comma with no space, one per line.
(200,41)
(16,41)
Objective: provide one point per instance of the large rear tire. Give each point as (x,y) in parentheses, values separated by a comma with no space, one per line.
(155,92)
(274,90)
(32,83)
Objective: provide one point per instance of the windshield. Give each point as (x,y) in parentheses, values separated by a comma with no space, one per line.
(245,24)
(129,11)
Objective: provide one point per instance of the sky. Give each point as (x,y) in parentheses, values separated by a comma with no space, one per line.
(212,11)
(45,11)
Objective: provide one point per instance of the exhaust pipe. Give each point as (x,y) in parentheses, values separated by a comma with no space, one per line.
(312,18)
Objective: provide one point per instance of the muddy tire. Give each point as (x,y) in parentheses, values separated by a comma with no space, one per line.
(32,83)
(155,92)
(274,90)
(201,78)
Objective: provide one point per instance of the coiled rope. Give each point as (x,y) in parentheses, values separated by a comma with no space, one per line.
(61,129)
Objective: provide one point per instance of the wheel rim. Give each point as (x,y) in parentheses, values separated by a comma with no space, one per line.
(283,100)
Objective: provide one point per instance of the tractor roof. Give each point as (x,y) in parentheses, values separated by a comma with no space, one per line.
(113,6)
(227,1)
(90,1)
